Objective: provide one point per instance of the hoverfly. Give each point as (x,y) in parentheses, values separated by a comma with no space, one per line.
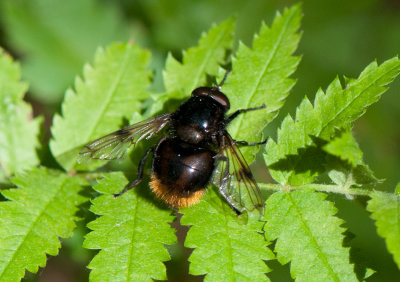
(196,150)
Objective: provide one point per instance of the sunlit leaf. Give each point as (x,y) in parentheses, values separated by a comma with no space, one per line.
(199,61)
(36,214)
(308,236)
(130,232)
(260,76)
(18,129)
(110,91)
(181,78)
(226,247)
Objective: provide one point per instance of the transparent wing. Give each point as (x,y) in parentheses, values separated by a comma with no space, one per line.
(114,145)
(234,179)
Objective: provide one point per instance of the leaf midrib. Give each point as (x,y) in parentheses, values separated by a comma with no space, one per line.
(206,59)
(228,240)
(109,94)
(358,96)
(261,74)
(313,241)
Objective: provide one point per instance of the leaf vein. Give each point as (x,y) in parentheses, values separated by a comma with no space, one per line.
(38,216)
(230,255)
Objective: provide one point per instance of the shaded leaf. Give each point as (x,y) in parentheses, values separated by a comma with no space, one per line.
(226,247)
(130,233)
(385,209)
(342,173)
(351,170)
(38,212)
(18,129)
(111,90)
(346,148)
(308,235)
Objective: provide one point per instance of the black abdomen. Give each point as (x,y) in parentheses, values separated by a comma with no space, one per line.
(180,170)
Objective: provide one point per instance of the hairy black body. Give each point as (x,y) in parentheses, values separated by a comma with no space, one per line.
(185,159)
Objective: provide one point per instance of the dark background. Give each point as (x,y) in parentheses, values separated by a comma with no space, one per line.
(53,39)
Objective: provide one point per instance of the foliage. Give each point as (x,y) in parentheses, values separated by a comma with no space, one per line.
(37,213)
(335,109)
(302,222)
(312,155)
(233,247)
(385,209)
(16,153)
(199,61)
(130,232)
(346,148)
(103,96)
(260,76)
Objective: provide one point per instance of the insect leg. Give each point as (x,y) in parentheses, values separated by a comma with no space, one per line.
(240,111)
(244,143)
(140,173)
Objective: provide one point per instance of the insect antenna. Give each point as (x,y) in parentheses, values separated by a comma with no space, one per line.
(224,79)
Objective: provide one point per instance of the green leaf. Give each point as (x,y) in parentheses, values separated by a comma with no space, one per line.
(38,212)
(200,61)
(346,148)
(18,130)
(260,76)
(385,209)
(335,109)
(308,235)
(225,247)
(346,177)
(345,165)
(111,91)
(56,38)
(181,79)
(130,233)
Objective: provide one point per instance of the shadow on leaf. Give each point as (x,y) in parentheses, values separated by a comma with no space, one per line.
(309,159)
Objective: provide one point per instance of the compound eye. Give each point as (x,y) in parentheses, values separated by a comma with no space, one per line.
(214,93)
(201,91)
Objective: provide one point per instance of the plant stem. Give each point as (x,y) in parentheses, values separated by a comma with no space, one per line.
(317,187)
